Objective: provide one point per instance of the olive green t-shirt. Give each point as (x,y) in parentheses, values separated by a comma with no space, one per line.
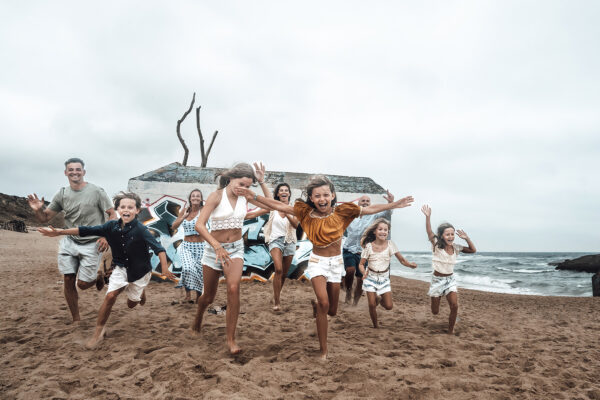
(85,207)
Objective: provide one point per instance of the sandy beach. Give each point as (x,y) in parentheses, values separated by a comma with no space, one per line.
(505,347)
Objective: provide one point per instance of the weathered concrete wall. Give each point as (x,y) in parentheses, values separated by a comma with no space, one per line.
(155,190)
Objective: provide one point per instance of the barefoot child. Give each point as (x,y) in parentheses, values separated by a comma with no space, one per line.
(324,223)
(378,251)
(129,240)
(445,252)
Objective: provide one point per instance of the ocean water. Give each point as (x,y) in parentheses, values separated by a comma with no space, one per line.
(518,273)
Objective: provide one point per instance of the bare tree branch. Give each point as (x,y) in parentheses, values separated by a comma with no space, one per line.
(203,154)
(204,159)
(185,148)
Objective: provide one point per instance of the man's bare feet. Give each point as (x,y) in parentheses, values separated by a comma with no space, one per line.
(276,307)
(195,332)
(97,338)
(348,296)
(314,307)
(143,298)
(323,356)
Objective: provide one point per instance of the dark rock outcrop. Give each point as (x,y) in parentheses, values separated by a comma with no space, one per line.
(16,208)
(14,225)
(589,263)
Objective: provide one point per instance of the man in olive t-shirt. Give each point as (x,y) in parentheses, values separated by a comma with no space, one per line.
(84,204)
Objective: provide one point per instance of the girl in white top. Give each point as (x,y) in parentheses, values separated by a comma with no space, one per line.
(378,252)
(280,234)
(445,252)
(225,254)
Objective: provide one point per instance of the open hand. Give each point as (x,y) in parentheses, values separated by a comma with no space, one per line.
(404,202)
(168,274)
(426,210)
(49,231)
(388,196)
(462,234)
(34,202)
(245,192)
(102,244)
(259,171)
(222,256)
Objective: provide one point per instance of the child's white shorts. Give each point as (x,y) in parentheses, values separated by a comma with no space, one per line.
(376,283)
(332,268)
(442,285)
(133,290)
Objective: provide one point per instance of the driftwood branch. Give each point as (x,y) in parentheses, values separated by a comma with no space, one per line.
(209,148)
(185,148)
(202,152)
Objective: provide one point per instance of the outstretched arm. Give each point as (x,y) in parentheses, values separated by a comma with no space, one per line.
(256,213)
(261,201)
(471,247)
(427,211)
(404,262)
(164,266)
(375,208)
(52,231)
(42,214)
(260,170)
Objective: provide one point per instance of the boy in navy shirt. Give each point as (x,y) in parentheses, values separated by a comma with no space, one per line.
(129,241)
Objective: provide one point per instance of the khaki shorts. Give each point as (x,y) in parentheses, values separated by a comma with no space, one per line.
(81,259)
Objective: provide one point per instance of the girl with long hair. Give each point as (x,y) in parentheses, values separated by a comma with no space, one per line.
(378,252)
(445,253)
(324,223)
(192,248)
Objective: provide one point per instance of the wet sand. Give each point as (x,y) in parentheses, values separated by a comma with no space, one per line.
(505,346)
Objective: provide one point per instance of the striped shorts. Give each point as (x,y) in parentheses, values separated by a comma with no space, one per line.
(442,285)
(377,283)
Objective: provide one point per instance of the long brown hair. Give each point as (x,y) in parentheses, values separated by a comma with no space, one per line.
(439,238)
(190,198)
(369,235)
(315,182)
(241,170)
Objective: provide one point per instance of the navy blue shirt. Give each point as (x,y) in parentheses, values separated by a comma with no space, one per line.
(129,245)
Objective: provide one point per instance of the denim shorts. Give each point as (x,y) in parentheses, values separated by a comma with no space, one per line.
(377,283)
(351,260)
(235,250)
(287,249)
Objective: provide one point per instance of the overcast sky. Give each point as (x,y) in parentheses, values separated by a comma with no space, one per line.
(487,111)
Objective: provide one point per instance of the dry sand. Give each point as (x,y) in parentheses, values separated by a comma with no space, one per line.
(505,346)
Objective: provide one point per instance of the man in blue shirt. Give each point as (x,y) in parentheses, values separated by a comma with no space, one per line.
(352,248)
(130,242)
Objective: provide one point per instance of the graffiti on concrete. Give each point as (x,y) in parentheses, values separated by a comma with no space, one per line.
(258,264)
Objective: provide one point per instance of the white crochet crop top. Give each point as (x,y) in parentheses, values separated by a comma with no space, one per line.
(225,217)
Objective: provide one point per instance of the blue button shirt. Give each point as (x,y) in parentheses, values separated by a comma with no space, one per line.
(130,245)
(356,229)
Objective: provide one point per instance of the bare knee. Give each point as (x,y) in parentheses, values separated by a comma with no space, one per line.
(205,299)
(85,285)
(388,307)
(233,289)
(323,306)
(111,297)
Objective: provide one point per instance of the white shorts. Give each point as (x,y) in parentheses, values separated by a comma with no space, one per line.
(442,285)
(133,290)
(377,283)
(81,259)
(234,249)
(332,268)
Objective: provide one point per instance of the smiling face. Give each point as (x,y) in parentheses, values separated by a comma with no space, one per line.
(364,201)
(196,198)
(75,173)
(448,236)
(284,194)
(128,210)
(382,230)
(321,197)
